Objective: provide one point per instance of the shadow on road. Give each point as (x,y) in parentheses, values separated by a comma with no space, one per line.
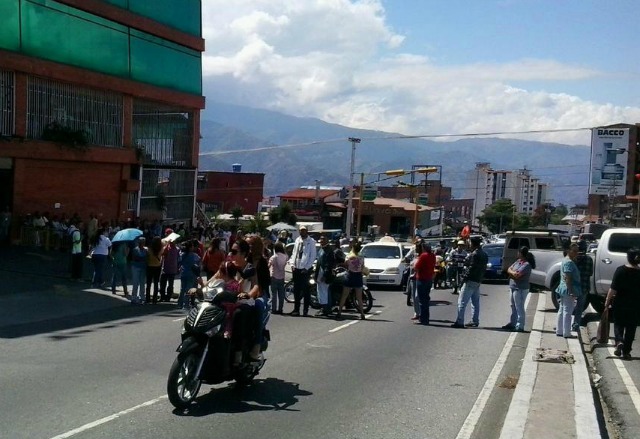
(261,395)
(112,317)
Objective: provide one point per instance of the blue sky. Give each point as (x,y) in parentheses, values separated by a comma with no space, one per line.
(429,67)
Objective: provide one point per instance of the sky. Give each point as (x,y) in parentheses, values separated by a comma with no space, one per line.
(430,67)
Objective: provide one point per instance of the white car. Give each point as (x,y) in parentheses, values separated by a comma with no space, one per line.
(385,261)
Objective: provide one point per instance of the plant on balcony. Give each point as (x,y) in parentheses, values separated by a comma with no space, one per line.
(66,136)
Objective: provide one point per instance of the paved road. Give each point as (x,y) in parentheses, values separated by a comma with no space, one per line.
(379,378)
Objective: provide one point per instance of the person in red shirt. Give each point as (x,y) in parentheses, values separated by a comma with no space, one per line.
(424,269)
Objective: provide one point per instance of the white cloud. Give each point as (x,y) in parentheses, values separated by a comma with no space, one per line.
(340,61)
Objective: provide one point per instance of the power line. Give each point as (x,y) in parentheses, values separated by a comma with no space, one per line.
(398,137)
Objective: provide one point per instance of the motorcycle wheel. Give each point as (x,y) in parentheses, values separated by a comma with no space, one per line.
(314,297)
(288,292)
(182,385)
(367,300)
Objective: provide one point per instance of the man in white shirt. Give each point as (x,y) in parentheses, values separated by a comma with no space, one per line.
(301,261)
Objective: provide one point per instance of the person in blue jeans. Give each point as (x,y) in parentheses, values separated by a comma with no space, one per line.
(189,272)
(119,253)
(519,274)
(568,291)
(139,256)
(475,264)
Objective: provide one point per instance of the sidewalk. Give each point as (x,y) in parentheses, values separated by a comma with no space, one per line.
(553,398)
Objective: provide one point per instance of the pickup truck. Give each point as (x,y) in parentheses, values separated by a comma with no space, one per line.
(610,254)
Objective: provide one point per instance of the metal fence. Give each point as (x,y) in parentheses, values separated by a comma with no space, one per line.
(6,103)
(164,134)
(97,113)
(172,189)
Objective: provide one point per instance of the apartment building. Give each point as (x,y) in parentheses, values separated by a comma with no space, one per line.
(486,185)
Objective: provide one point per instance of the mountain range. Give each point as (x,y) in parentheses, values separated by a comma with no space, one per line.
(294,151)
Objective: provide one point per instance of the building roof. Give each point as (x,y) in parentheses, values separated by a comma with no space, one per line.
(392,202)
(308,194)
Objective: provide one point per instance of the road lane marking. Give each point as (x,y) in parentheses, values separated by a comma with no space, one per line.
(179,320)
(585,415)
(628,381)
(476,411)
(353,322)
(106,419)
(518,413)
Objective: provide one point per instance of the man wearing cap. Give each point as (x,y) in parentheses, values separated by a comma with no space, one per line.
(476,264)
(301,261)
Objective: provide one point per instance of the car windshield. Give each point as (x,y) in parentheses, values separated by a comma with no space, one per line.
(381,252)
(493,252)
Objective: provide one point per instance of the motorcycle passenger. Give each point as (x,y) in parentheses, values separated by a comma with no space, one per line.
(455,256)
(245,321)
(355,266)
(259,290)
(324,275)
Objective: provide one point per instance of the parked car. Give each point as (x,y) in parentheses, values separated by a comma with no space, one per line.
(494,269)
(385,261)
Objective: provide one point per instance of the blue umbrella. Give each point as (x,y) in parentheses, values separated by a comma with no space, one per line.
(127,235)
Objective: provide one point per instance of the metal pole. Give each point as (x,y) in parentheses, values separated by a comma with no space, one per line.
(353,141)
(360,205)
(415,213)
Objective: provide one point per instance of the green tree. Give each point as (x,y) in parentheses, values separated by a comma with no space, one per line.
(257,225)
(283,213)
(236,213)
(499,216)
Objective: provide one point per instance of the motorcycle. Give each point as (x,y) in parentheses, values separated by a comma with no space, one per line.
(457,279)
(335,291)
(205,355)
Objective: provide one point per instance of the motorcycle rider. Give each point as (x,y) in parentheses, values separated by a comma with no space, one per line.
(455,256)
(324,275)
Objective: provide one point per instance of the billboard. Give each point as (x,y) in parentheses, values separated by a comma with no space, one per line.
(608,170)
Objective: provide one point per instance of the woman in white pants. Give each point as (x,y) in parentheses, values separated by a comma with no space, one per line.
(568,291)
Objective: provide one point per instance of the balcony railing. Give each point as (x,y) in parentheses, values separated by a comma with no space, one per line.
(6,103)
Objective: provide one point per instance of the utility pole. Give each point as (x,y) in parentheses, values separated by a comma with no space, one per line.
(359,221)
(354,141)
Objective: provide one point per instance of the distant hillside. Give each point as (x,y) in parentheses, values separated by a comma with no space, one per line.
(235,128)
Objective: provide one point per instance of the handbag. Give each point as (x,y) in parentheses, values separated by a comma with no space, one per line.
(602,336)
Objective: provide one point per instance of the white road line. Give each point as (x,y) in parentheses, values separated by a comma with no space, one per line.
(476,411)
(113,417)
(628,381)
(179,320)
(353,322)
(518,412)
(584,409)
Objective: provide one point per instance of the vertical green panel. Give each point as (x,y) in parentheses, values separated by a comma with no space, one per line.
(59,36)
(165,66)
(10,24)
(184,15)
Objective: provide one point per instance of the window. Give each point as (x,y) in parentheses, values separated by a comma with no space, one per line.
(381,252)
(169,188)
(183,15)
(132,201)
(165,133)
(622,242)
(97,113)
(516,243)
(6,103)
(545,243)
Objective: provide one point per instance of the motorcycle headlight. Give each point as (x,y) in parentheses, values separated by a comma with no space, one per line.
(392,270)
(489,265)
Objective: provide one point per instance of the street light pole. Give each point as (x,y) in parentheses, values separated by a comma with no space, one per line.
(354,141)
(358,222)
